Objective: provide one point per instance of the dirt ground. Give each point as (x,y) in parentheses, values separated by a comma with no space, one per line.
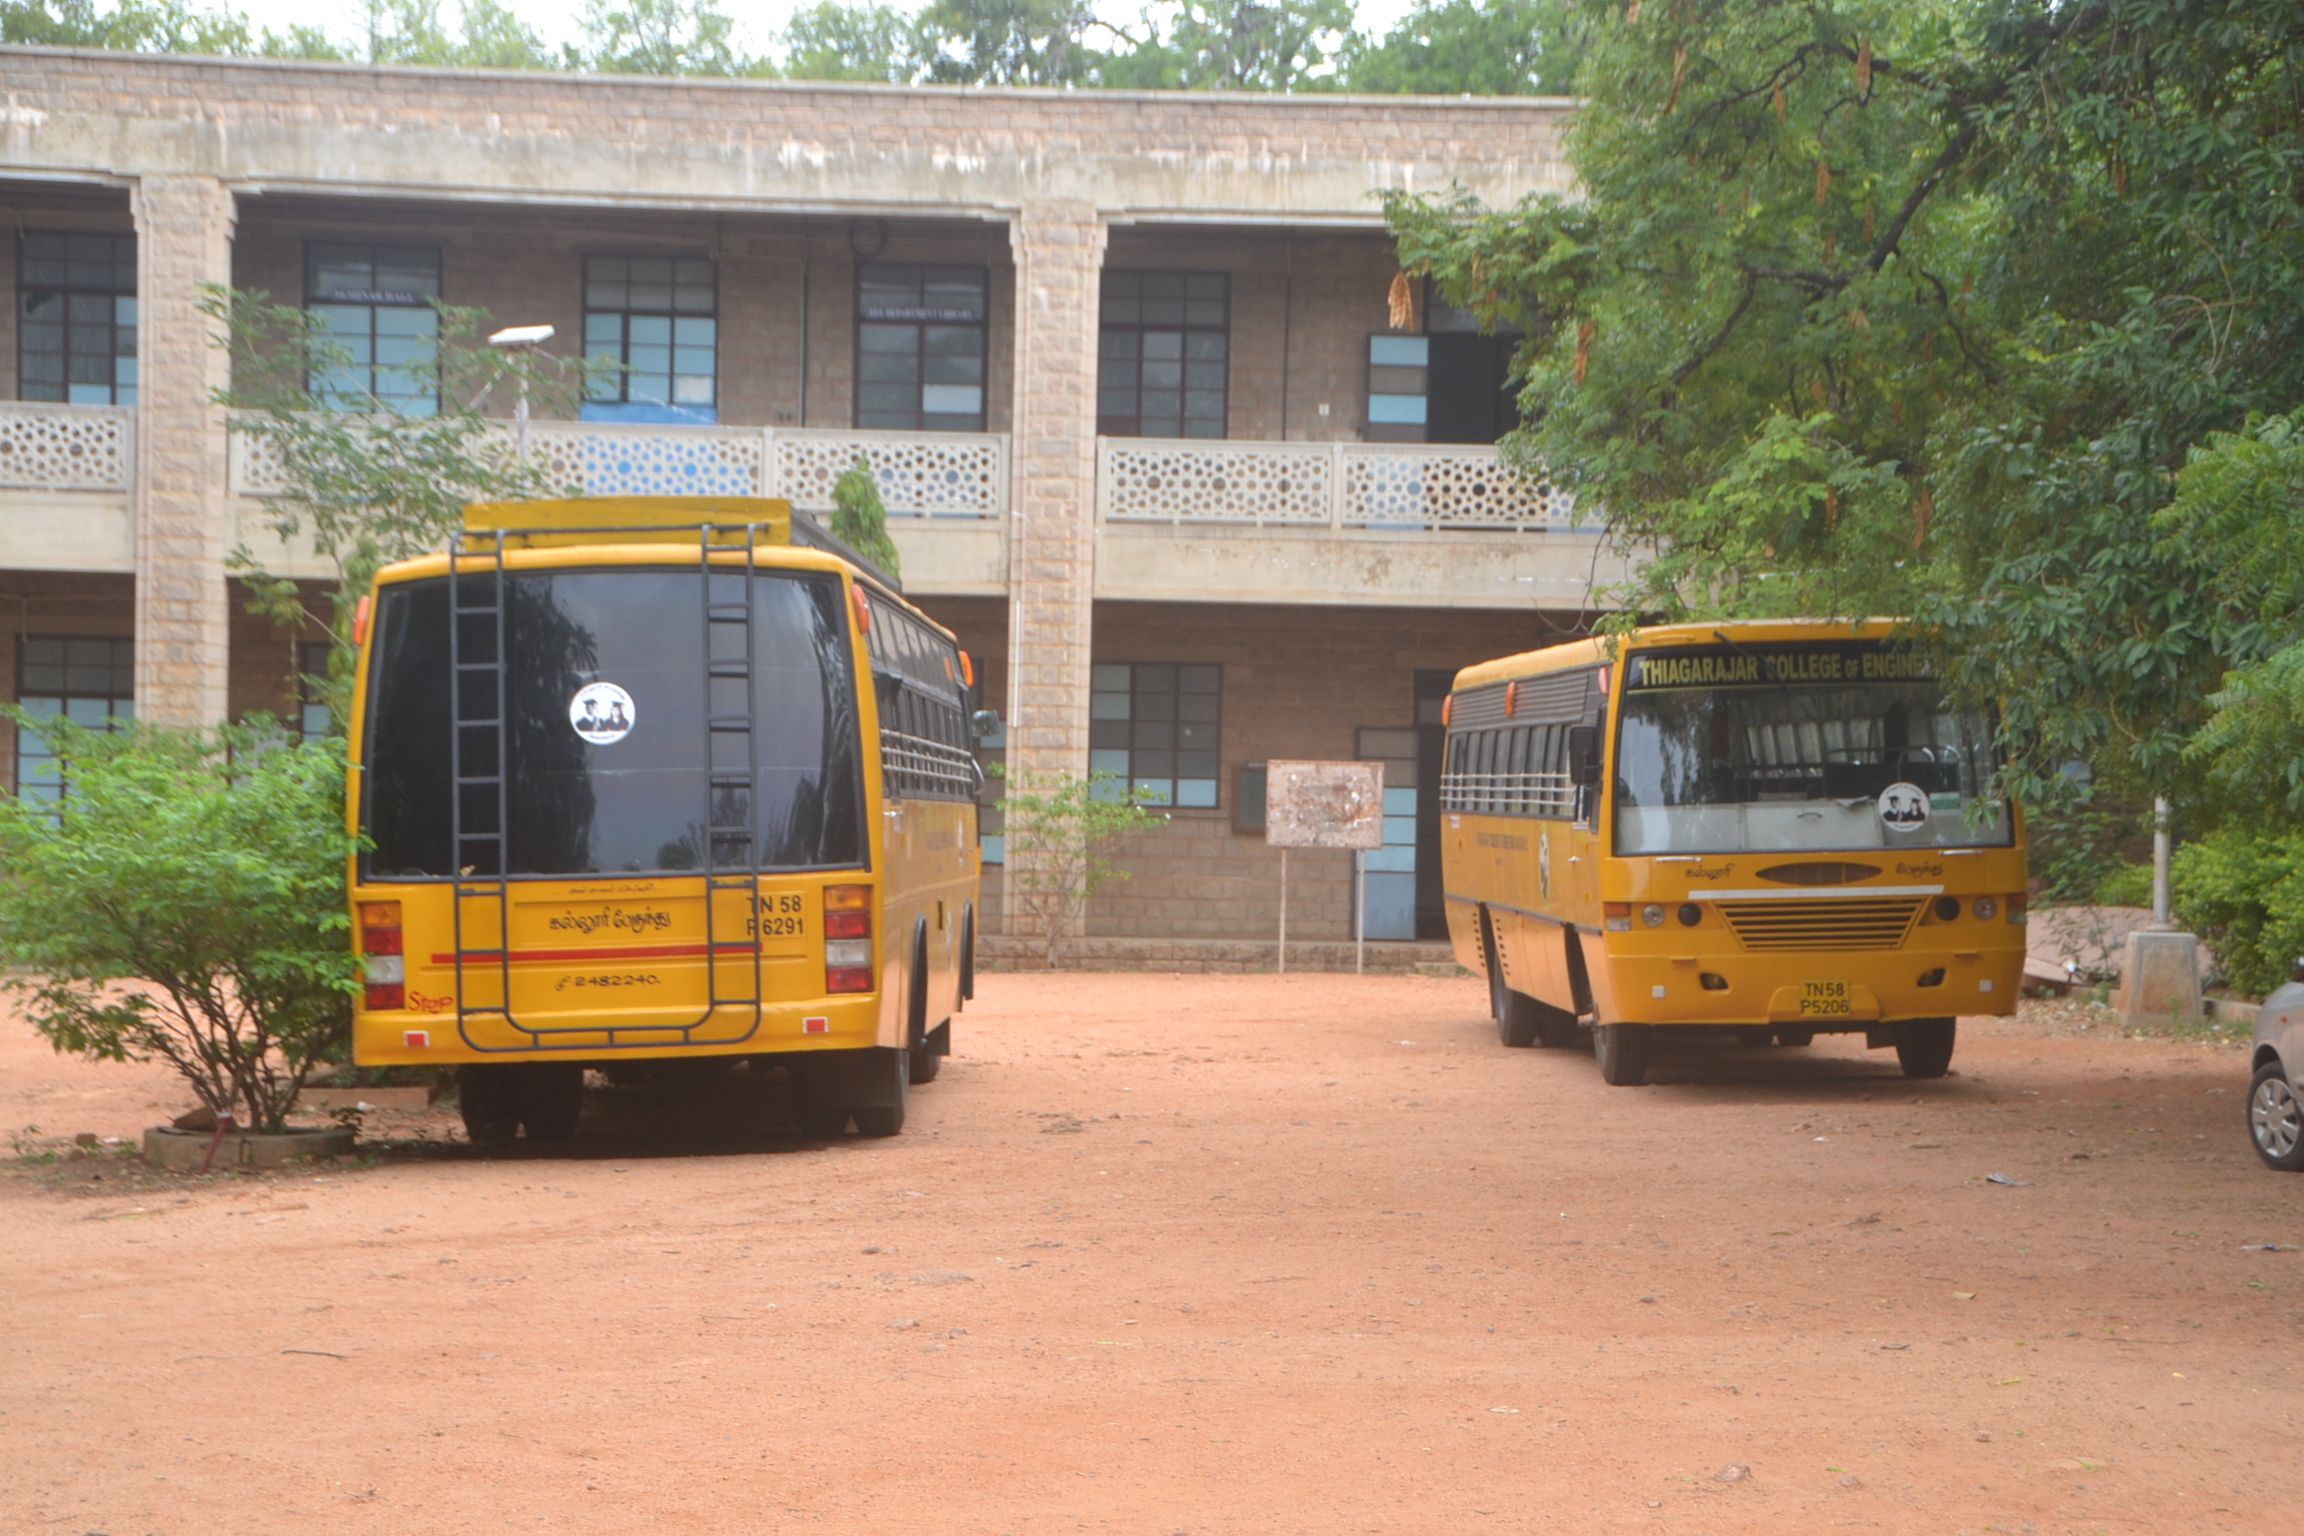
(1190,1255)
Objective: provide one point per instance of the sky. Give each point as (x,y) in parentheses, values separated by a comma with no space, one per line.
(756,20)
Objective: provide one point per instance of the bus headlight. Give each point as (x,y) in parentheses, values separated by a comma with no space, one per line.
(1653,914)
(1985,909)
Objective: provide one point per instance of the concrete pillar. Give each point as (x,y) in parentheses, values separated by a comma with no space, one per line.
(1059,252)
(183,525)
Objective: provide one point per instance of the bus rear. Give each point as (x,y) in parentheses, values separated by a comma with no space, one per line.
(619,810)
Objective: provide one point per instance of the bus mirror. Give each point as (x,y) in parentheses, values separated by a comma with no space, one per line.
(1583,755)
(985,724)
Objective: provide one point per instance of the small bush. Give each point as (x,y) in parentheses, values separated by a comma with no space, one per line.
(2243,892)
(2125,885)
(184,903)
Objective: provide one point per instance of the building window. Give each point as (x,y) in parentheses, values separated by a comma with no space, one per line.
(1154,727)
(656,320)
(375,303)
(1399,369)
(1164,354)
(313,720)
(76,311)
(920,347)
(90,682)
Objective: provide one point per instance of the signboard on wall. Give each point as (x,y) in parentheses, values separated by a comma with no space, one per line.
(1324,805)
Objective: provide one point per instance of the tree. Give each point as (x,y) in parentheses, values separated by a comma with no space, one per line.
(1451,47)
(184,903)
(831,41)
(658,37)
(1059,830)
(1251,45)
(364,483)
(488,36)
(154,26)
(1008,42)
(860,521)
(1868,307)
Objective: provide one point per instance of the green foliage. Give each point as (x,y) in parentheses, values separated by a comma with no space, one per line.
(1870,307)
(658,37)
(1060,831)
(488,36)
(1447,47)
(364,485)
(154,26)
(860,521)
(185,904)
(2124,885)
(2078,850)
(1239,45)
(1008,42)
(829,41)
(2242,891)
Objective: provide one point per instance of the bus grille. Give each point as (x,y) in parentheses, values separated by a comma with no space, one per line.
(1855,924)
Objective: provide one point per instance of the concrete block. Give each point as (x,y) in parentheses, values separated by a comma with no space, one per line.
(2159,978)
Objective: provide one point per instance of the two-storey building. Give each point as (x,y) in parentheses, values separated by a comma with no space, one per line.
(1153,435)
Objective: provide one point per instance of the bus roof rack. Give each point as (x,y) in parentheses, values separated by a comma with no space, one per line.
(654,520)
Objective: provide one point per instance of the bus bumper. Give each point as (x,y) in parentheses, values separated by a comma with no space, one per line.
(1822,990)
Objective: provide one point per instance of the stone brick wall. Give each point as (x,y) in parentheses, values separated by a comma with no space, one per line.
(183,242)
(1298,683)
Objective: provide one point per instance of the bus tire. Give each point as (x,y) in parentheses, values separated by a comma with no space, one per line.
(551,1095)
(816,1112)
(1795,1037)
(968,955)
(1622,1051)
(886,1119)
(1924,1046)
(486,1094)
(1515,1015)
(925,1065)
(1555,1027)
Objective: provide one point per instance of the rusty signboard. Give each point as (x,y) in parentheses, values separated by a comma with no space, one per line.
(1324,805)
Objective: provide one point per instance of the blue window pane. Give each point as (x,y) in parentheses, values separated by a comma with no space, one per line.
(1196,792)
(1396,410)
(1399,351)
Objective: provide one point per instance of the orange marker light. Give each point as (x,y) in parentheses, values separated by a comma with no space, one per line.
(1511,699)
(360,612)
(1447,708)
(863,612)
(967,670)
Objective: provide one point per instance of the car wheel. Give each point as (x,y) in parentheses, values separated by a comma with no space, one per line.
(1622,1051)
(1924,1046)
(2276,1119)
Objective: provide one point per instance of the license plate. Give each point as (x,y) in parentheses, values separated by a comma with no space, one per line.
(1823,999)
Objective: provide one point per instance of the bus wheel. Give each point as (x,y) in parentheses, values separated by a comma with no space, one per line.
(1924,1046)
(815,1110)
(488,1096)
(1795,1037)
(888,1119)
(1622,1050)
(1515,1015)
(1555,1027)
(925,1064)
(551,1095)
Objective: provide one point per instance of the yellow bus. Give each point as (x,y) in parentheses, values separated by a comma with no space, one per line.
(657,785)
(1768,828)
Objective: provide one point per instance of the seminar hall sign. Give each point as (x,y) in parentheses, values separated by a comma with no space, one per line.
(1761,666)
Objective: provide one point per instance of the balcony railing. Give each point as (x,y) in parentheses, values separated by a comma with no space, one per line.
(1333,486)
(66,447)
(920,474)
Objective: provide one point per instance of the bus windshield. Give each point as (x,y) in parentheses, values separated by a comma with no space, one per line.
(1767,748)
(606,740)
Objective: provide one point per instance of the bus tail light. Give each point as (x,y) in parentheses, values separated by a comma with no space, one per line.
(1617,916)
(385,970)
(2016,911)
(848,938)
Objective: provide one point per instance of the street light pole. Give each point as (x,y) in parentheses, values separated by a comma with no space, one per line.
(521,341)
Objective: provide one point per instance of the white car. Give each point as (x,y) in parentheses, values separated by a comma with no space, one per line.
(2276,1093)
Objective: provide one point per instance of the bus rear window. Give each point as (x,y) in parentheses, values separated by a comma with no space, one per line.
(606,740)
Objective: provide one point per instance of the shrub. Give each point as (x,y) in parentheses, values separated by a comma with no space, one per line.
(2125,885)
(2243,892)
(1059,828)
(184,903)
(860,520)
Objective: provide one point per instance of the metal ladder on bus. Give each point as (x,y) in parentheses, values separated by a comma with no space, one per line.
(731,830)
(482,877)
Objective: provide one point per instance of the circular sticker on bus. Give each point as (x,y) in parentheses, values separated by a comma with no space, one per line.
(602,713)
(1903,807)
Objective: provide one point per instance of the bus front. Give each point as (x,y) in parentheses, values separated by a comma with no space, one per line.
(1799,836)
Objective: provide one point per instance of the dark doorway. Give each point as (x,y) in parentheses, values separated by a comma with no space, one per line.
(1467,395)
(1431,747)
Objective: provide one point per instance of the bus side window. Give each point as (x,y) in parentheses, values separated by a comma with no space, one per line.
(1516,788)
(1484,770)
(1540,763)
